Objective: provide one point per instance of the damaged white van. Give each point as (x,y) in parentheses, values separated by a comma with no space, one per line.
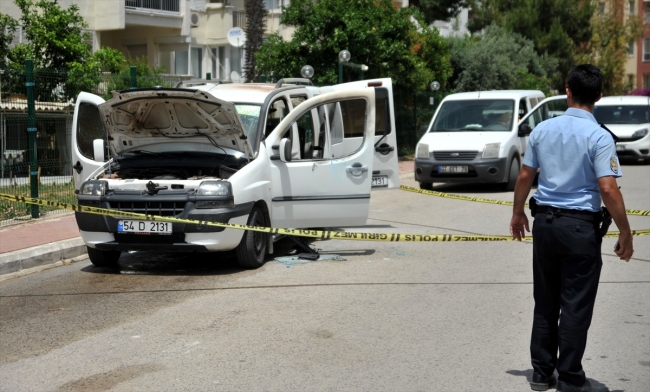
(264,155)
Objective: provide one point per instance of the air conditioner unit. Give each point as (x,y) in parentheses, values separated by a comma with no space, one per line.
(194,20)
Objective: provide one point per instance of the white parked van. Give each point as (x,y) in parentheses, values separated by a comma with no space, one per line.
(474,137)
(628,117)
(277,156)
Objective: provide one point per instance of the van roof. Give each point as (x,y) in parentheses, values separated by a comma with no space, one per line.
(623,100)
(240,92)
(495,94)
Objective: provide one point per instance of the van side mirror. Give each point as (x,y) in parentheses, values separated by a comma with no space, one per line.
(98,150)
(285,150)
(524,129)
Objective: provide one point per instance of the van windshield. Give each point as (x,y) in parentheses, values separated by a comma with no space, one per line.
(475,115)
(250,116)
(625,114)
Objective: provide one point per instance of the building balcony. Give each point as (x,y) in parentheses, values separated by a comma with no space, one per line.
(157,6)
(154,13)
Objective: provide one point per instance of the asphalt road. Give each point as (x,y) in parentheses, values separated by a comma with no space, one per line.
(391,317)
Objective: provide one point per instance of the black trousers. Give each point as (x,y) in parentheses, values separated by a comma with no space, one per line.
(566,269)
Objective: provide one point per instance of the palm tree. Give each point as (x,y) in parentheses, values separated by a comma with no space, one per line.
(255,26)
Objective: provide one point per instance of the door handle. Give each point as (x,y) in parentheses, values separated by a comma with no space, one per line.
(78,167)
(384,149)
(357,169)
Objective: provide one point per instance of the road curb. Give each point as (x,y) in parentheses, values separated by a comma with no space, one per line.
(37,256)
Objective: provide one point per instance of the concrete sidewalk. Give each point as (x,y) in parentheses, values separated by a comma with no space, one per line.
(56,239)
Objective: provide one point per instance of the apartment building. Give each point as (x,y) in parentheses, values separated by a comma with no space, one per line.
(187,37)
(643,59)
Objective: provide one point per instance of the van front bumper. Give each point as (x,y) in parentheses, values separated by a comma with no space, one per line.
(101,232)
(479,170)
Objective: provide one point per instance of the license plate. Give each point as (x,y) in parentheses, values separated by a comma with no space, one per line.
(620,147)
(453,169)
(380,181)
(143,227)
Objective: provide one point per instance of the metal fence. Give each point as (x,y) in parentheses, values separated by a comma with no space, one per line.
(413,113)
(54,94)
(53,122)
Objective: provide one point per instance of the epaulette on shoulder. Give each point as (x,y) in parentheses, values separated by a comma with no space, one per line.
(610,132)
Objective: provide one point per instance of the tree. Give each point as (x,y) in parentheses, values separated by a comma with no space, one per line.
(608,47)
(374,31)
(559,28)
(439,9)
(498,60)
(8,27)
(56,35)
(255,26)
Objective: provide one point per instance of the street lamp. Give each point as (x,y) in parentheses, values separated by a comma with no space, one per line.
(307,71)
(435,86)
(344,57)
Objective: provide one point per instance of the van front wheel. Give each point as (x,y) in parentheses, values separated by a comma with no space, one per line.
(103,258)
(252,248)
(513,174)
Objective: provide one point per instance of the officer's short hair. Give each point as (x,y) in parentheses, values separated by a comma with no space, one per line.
(586,83)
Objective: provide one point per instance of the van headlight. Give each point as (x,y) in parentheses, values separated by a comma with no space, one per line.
(214,188)
(94,188)
(491,150)
(639,134)
(423,151)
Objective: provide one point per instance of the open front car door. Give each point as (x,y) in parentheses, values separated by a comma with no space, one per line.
(87,126)
(316,182)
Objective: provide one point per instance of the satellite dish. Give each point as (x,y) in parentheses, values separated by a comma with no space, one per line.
(236,37)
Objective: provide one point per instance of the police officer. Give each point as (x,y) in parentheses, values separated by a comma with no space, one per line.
(578,166)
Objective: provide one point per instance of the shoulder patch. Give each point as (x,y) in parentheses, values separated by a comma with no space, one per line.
(613,163)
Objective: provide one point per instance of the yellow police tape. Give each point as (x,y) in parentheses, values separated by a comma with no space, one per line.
(491,201)
(320,234)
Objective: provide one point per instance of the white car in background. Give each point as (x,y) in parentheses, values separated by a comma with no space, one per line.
(628,117)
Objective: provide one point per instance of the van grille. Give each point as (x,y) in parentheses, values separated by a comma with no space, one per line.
(455,155)
(166,208)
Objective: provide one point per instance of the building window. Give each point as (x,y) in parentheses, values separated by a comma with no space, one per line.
(180,62)
(601,10)
(646,80)
(631,9)
(646,49)
(630,49)
(197,62)
(646,12)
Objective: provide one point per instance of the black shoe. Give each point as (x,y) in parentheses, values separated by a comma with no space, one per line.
(541,383)
(565,387)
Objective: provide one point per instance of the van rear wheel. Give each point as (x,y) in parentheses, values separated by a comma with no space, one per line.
(103,258)
(252,249)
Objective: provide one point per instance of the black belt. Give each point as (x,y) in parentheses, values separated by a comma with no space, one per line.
(588,216)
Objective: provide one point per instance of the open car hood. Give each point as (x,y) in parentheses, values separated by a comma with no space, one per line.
(164,116)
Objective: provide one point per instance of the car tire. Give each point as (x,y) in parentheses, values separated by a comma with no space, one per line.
(426,186)
(103,258)
(252,249)
(513,174)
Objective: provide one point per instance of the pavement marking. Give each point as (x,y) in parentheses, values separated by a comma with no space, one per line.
(299,286)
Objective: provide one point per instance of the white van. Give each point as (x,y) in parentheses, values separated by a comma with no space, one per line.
(277,156)
(474,137)
(628,117)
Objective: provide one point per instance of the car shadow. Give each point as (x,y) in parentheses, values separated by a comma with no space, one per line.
(595,385)
(173,263)
(468,188)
